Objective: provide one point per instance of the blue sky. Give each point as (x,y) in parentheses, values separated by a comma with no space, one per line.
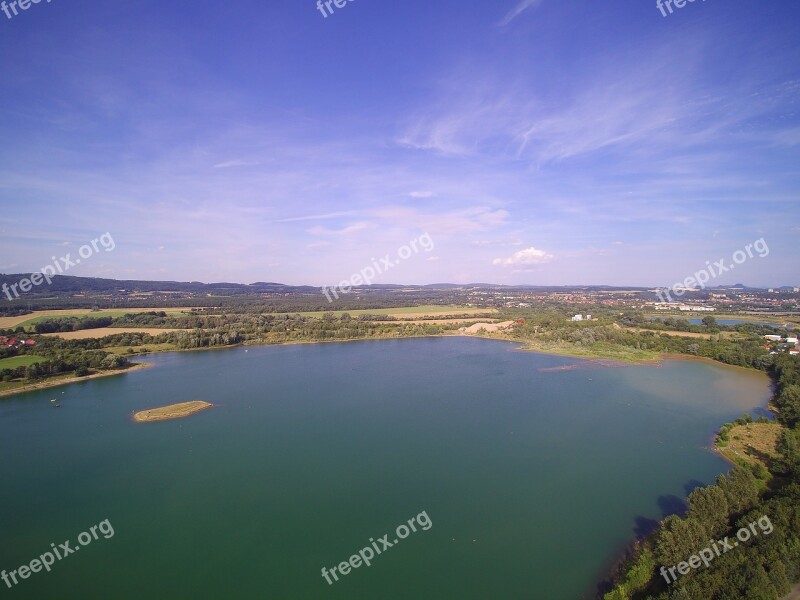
(543,142)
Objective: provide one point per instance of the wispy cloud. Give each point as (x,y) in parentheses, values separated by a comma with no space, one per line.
(344,231)
(518,10)
(333,215)
(234,163)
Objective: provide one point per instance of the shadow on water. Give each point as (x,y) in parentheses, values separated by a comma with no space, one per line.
(643,528)
(672,505)
(763,412)
(692,485)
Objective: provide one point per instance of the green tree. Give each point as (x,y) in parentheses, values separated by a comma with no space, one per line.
(709,322)
(788,402)
(789,450)
(678,539)
(710,506)
(741,490)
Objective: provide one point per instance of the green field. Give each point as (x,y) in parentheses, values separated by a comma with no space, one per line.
(767,318)
(93,315)
(123,350)
(403,310)
(20,361)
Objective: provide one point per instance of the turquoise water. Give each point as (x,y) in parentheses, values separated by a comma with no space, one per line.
(730,322)
(533,479)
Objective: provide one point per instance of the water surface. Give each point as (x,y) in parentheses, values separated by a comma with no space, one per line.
(533,479)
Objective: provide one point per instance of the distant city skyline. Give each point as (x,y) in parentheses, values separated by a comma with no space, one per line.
(282,146)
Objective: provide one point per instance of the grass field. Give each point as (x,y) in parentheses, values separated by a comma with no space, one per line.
(753,443)
(600,350)
(775,320)
(85,334)
(406,312)
(20,361)
(725,334)
(40,315)
(123,350)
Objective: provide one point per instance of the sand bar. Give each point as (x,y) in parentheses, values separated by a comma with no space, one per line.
(173,411)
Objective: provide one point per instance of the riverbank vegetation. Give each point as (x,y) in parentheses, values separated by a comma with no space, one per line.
(762,569)
(627,336)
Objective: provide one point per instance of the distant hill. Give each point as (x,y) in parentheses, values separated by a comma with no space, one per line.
(66,284)
(70,284)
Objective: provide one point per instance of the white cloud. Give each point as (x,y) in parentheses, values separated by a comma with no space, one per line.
(316,245)
(234,163)
(529,256)
(350,229)
(424,194)
(320,217)
(518,10)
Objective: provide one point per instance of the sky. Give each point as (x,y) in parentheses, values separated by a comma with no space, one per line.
(541,142)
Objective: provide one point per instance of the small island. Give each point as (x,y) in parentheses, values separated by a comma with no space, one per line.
(173,411)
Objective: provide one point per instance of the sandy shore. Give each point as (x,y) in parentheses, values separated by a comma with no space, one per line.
(173,411)
(32,387)
(794,594)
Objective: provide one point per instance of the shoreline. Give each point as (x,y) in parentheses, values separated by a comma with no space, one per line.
(43,385)
(598,361)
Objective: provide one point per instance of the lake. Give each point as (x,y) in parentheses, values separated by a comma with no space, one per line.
(697,321)
(534,470)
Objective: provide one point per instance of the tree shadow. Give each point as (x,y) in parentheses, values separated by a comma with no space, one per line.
(672,505)
(692,485)
(644,527)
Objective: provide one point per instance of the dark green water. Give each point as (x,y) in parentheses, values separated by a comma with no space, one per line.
(533,480)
